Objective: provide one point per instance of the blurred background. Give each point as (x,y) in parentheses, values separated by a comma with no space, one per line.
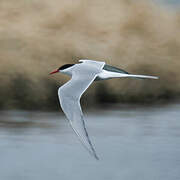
(133,123)
(37,37)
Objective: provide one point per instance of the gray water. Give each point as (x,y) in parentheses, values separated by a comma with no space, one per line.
(133,144)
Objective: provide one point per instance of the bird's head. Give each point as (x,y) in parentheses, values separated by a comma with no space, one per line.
(66,69)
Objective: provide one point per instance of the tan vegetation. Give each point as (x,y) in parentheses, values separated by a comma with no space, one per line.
(38,36)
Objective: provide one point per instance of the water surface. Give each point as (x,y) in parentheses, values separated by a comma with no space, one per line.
(133,144)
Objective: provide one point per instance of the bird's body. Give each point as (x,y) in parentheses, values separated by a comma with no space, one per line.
(83,74)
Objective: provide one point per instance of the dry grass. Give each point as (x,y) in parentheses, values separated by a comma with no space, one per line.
(38,36)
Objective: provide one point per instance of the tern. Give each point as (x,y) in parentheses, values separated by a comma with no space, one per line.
(82,75)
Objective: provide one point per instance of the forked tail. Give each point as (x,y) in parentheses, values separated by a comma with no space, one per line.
(140,76)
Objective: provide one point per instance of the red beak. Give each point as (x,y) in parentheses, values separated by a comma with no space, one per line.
(54,72)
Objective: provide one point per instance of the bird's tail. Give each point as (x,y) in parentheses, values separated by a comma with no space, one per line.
(140,76)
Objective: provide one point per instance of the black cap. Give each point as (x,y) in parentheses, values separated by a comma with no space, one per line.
(65,66)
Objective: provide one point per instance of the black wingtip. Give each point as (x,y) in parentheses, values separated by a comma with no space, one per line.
(96,157)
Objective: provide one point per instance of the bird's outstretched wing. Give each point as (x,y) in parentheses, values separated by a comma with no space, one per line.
(83,75)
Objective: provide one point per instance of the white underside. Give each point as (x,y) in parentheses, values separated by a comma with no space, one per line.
(108,75)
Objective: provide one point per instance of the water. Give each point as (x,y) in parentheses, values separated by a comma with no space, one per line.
(132,143)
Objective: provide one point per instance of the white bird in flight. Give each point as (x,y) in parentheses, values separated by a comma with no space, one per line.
(82,75)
